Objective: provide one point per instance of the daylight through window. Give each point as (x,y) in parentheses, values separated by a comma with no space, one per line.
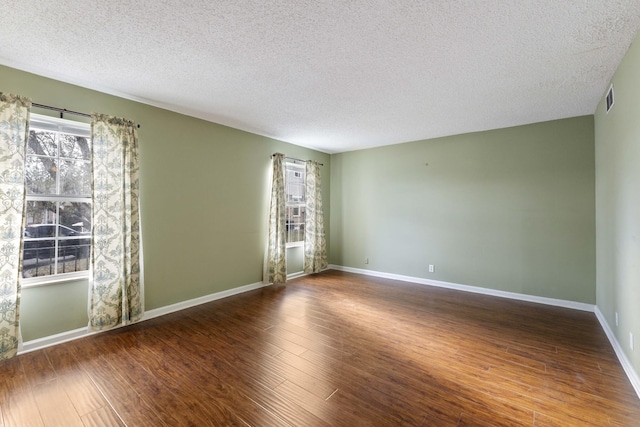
(57,236)
(295,211)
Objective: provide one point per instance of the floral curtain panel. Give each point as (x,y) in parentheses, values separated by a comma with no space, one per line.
(315,245)
(115,294)
(14,130)
(276,256)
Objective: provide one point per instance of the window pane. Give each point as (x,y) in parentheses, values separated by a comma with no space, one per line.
(74,232)
(39,258)
(42,143)
(73,255)
(39,213)
(75,178)
(74,147)
(295,198)
(40,175)
(76,216)
(294,220)
(73,228)
(295,186)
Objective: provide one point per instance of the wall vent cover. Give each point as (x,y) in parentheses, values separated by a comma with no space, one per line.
(610,98)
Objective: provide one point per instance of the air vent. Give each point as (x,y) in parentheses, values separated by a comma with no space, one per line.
(610,98)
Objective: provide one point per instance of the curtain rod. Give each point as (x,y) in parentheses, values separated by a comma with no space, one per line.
(62,111)
(297,160)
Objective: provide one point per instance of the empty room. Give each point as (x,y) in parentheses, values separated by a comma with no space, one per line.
(332,213)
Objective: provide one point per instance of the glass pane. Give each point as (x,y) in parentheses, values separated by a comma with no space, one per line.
(73,234)
(40,214)
(38,258)
(75,219)
(294,221)
(73,255)
(42,143)
(75,147)
(40,175)
(74,246)
(75,178)
(294,185)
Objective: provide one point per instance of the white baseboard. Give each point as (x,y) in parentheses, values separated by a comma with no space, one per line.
(624,361)
(200,300)
(62,337)
(75,334)
(50,340)
(296,275)
(474,289)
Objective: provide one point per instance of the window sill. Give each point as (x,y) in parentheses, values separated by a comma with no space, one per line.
(294,245)
(37,282)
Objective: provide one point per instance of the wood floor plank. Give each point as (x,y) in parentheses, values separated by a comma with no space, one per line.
(223,353)
(332,414)
(167,381)
(102,417)
(82,392)
(37,367)
(253,387)
(13,381)
(55,406)
(436,420)
(181,364)
(21,410)
(130,406)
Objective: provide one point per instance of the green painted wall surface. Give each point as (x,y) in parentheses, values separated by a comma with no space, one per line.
(204,203)
(618,205)
(49,310)
(509,209)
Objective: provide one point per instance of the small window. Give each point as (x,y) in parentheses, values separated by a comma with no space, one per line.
(295,193)
(57,235)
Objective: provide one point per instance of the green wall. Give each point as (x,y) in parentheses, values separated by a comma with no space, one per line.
(618,205)
(204,204)
(509,209)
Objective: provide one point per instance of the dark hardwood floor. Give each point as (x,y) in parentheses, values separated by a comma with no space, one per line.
(334,349)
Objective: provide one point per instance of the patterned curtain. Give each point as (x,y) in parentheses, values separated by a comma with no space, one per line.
(14,131)
(276,257)
(315,245)
(115,293)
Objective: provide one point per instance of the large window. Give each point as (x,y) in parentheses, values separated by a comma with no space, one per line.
(295,203)
(57,236)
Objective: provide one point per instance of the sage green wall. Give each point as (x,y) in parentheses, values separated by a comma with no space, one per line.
(509,209)
(204,203)
(618,205)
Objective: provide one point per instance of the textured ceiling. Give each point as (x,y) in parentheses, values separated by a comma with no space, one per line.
(333,75)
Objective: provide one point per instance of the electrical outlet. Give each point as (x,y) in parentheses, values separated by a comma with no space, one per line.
(366,260)
(432,268)
(617,321)
(631,340)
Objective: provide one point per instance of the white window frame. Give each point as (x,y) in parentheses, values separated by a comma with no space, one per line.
(301,170)
(42,122)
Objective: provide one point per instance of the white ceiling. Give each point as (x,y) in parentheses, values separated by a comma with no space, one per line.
(334,75)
